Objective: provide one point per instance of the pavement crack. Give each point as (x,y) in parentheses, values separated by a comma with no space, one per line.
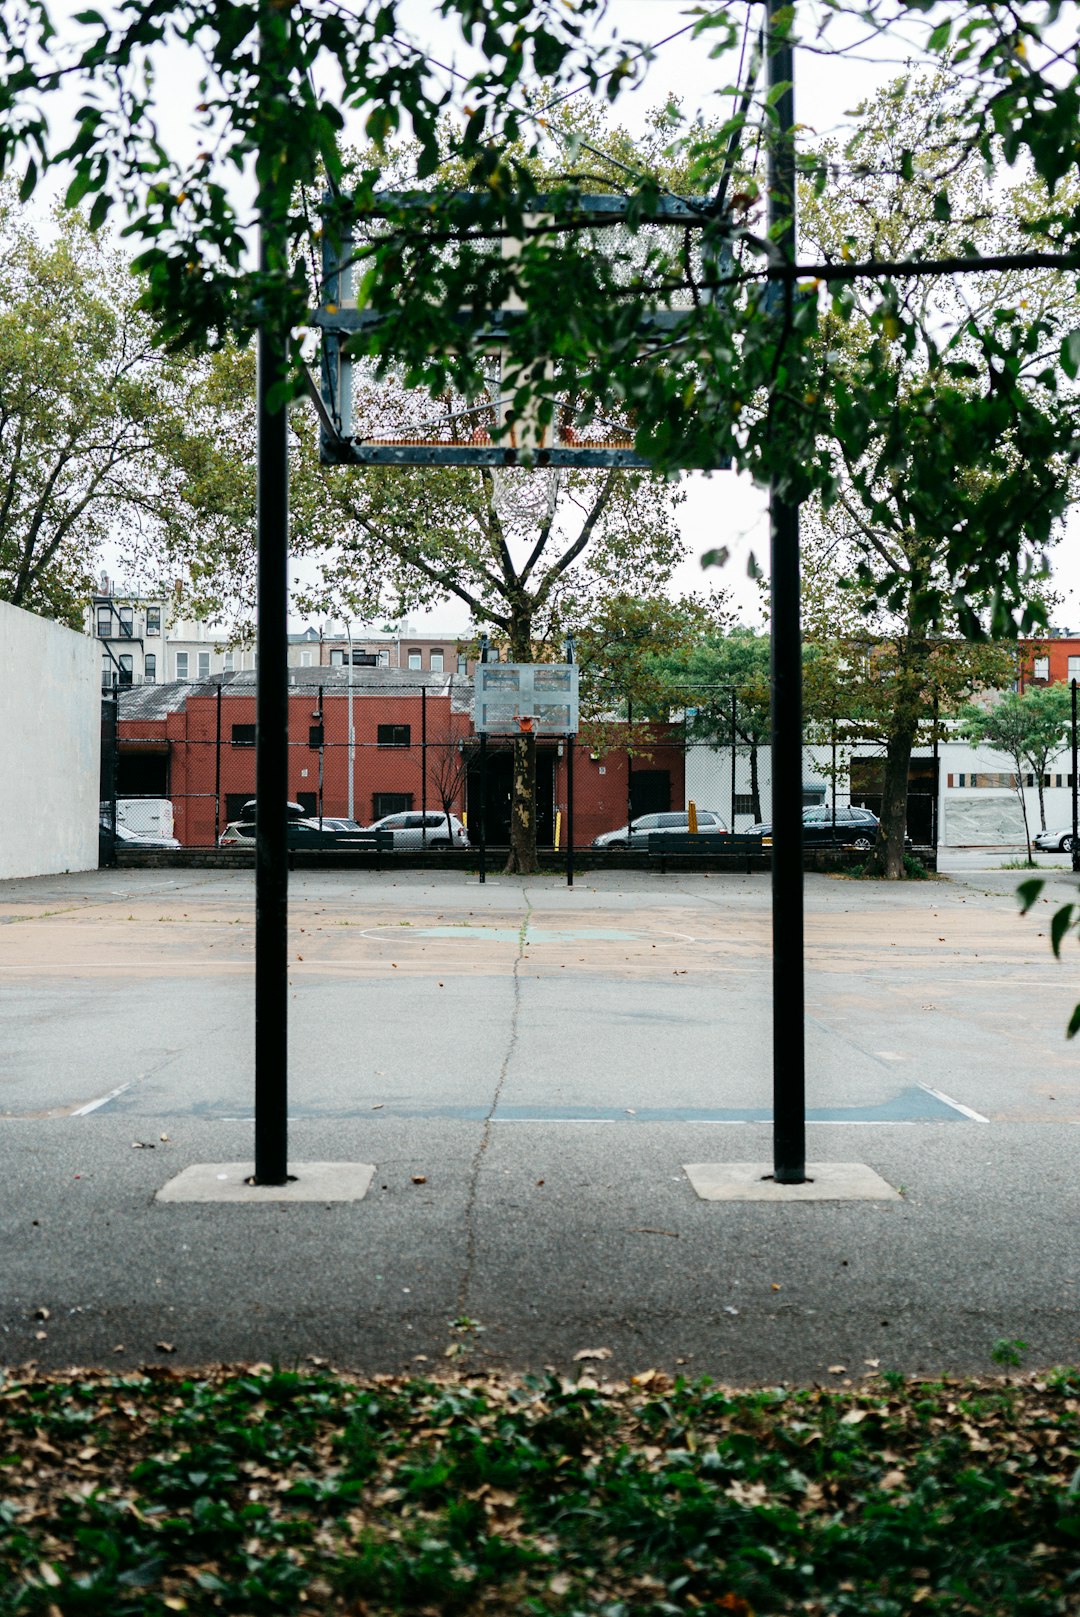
(486,1127)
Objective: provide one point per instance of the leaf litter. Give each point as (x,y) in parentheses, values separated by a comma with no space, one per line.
(255,1489)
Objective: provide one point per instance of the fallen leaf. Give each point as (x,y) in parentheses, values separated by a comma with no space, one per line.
(164,1137)
(49,1575)
(142,1145)
(378,1106)
(41,1336)
(41,1313)
(837,1369)
(873,1363)
(854,1416)
(419,1178)
(165,1347)
(591,1353)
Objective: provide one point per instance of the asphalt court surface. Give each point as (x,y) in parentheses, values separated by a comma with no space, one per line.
(479,1044)
(627,997)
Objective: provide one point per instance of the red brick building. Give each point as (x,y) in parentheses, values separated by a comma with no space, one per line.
(413,747)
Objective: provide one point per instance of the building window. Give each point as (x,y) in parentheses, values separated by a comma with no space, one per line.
(1041,669)
(416,659)
(150,669)
(1074,668)
(393,735)
(153,620)
(384,659)
(181,664)
(227,662)
(383,803)
(127,670)
(305,659)
(127,621)
(337,658)
(462,663)
(204,665)
(107,672)
(243,735)
(744,803)
(104,622)
(435,662)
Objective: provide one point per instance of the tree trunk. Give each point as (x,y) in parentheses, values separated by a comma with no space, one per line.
(522,860)
(887,858)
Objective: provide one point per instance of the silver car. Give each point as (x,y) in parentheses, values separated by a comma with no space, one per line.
(414,830)
(1059,841)
(636,835)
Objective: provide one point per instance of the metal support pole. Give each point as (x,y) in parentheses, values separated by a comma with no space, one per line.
(352,732)
(483,805)
(789,1052)
(271,749)
(629,769)
(734,739)
(570,811)
(482,794)
(217,769)
(322,749)
(1075,829)
(423,765)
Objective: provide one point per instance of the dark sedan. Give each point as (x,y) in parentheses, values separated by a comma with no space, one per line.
(844,827)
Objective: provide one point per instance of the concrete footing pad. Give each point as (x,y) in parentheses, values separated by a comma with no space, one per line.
(751,1182)
(309,1182)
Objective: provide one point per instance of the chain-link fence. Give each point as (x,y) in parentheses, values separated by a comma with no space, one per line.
(401,753)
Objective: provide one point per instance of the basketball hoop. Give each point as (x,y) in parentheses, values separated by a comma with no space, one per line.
(525,724)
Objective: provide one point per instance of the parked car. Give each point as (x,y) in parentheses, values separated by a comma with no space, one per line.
(127,838)
(430,830)
(846,827)
(303,832)
(636,834)
(1060,841)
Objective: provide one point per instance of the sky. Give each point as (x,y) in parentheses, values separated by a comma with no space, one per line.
(723,509)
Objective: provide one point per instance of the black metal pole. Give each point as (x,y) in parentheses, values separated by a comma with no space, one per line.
(423,765)
(734,738)
(271,748)
(629,769)
(217,769)
(789,1052)
(1075,829)
(322,749)
(570,811)
(482,795)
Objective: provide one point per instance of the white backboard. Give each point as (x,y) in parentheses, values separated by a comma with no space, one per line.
(506,693)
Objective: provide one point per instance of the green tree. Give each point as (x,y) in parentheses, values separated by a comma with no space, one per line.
(722,681)
(91,415)
(1030,728)
(882,533)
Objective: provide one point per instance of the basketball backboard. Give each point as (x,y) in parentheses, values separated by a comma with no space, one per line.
(509,695)
(366,423)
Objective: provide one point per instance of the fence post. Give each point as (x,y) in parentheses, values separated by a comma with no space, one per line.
(482,795)
(734,743)
(1075,828)
(322,750)
(217,769)
(423,765)
(570,811)
(629,768)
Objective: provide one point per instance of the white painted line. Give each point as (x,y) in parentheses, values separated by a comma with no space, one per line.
(92,1106)
(957,1106)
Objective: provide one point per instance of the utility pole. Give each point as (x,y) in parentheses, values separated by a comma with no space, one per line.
(352,732)
(789,1051)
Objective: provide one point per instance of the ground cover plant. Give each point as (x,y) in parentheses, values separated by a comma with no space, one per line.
(259,1490)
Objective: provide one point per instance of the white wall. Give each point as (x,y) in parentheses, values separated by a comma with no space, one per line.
(50,730)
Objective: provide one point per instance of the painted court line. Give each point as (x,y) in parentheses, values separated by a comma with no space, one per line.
(103,1100)
(957,1106)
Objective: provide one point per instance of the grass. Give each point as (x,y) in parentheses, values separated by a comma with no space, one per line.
(1023,864)
(262,1490)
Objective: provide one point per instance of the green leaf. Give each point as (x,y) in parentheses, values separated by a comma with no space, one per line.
(102,204)
(1070,354)
(30,178)
(1059,925)
(942,207)
(1028,892)
(939,37)
(1074,1023)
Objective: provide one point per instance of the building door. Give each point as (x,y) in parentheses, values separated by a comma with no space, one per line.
(866,789)
(650,792)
